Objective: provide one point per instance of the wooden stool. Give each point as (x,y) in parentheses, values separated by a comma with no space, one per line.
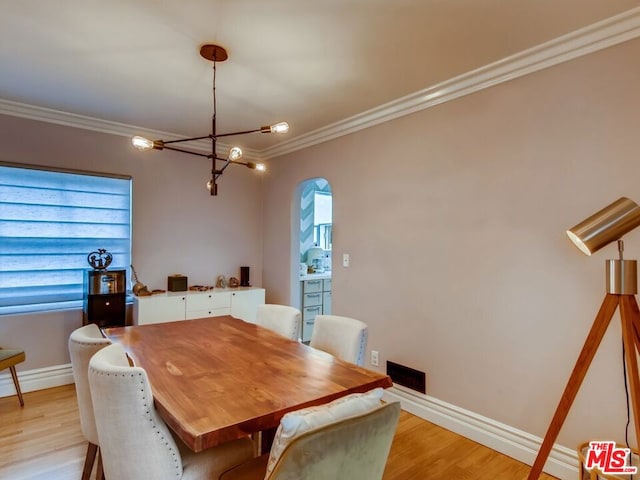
(9,359)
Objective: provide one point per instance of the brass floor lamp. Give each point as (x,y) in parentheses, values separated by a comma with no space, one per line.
(597,231)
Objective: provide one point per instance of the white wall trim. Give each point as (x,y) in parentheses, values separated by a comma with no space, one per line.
(562,462)
(606,33)
(600,35)
(59,117)
(37,379)
(510,441)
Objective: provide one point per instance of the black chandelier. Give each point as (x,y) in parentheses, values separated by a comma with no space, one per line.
(214,53)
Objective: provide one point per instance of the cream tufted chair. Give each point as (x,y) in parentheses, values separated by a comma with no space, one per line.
(83,343)
(281,319)
(336,441)
(134,440)
(342,337)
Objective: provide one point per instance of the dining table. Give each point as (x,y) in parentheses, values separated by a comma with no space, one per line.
(218,379)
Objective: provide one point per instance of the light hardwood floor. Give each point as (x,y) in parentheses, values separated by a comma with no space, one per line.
(43,441)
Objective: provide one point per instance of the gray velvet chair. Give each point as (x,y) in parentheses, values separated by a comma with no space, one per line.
(355,447)
(83,343)
(342,337)
(282,319)
(134,440)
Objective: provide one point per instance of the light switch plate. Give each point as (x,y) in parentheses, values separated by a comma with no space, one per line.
(345,259)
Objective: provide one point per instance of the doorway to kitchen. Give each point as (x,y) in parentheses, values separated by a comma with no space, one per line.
(315,253)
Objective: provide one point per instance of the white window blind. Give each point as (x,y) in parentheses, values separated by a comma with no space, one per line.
(49,222)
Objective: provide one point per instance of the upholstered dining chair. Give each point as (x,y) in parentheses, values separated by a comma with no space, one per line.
(342,337)
(348,439)
(282,319)
(83,343)
(134,440)
(9,359)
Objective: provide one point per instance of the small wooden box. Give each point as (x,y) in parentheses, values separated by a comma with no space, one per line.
(177,283)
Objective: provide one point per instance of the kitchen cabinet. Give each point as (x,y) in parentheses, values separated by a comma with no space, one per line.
(239,302)
(316,300)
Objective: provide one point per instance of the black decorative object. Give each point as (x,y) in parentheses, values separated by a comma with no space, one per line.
(244,277)
(105,297)
(100,259)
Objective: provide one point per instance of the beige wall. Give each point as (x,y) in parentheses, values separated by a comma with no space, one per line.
(454,218)
(177,226)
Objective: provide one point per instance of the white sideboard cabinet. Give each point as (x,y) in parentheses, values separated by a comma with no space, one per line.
(241,302)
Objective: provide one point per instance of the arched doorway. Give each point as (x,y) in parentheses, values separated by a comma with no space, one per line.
(315,251)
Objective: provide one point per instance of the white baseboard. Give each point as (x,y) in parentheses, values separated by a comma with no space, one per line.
(562,463)
(37,379)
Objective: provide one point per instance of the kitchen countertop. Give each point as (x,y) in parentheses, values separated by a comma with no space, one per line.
(315,276)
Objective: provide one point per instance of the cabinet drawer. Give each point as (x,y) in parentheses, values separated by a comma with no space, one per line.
(221,300)
(199,301)
(326,285)
(307,330)
(311,299)
(211,312)
(309,313)
(311,286)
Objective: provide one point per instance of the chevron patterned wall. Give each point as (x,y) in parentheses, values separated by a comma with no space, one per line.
(306,212)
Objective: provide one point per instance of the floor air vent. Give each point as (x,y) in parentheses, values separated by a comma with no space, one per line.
(407,377)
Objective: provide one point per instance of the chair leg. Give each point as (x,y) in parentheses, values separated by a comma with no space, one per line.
(14,375)
(100,470)
(88,461)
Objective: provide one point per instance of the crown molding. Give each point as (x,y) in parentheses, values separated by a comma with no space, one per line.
(595,37)
(611,31)
(60,117)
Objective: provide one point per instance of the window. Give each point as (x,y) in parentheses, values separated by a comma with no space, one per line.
(322,220)
(49,222)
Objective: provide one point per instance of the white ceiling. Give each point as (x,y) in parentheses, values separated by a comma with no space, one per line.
(309,62)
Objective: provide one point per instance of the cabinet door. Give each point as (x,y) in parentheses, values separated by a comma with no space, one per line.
(244,303)
(208,304)
(326,303)
(159,309)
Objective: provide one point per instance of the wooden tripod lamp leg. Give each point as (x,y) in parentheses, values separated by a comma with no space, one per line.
(630,316)
(591,344)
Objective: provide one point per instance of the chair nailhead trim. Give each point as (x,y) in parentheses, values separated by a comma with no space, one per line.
(150,417)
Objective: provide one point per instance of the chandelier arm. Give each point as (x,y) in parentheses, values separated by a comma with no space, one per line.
(238,133)
(192,139)
(218,173)
(188,151)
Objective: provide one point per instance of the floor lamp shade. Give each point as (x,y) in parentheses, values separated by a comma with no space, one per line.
(605,226)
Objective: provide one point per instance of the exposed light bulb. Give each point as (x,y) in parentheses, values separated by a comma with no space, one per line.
(209,185)
(142,143)
(282,127)
(235,154)
(256,166)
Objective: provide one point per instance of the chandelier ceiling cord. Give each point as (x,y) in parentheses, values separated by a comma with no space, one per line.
(213,53)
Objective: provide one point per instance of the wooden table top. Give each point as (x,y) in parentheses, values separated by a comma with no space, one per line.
(218,379)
